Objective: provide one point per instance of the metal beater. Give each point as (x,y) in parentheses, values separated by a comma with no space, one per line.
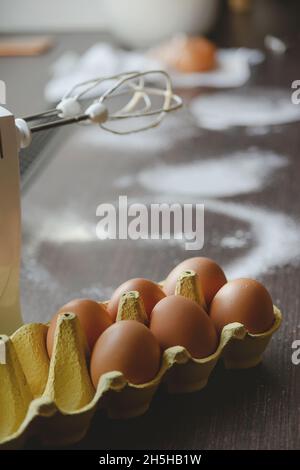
(138,95)
(121,104)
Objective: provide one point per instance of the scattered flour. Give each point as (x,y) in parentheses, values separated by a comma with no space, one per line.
(277,238)
(276,242)
(233,70)
(245,107)
(240,173)
(260,130)
(32,271)
(239,239)
(74,228)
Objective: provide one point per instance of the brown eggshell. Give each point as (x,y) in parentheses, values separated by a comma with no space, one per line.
(129,347)
(211,276)
(245,301)
(187,54)
(92,316)
(150,292)
(177,321)
(197,54)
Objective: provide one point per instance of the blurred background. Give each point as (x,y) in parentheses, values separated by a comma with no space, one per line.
(72,27)
(33,15)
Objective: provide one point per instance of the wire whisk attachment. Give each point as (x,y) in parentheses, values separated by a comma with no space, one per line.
(122,104)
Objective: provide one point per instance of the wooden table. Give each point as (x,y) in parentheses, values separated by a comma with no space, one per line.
(62,258)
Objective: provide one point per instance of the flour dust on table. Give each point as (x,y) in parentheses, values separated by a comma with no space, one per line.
(257,106)
(275,236)
(272,240)
(242,172)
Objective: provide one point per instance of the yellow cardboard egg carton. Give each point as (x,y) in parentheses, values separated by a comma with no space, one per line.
(55,399)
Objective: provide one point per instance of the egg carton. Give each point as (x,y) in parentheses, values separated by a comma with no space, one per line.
(55,399)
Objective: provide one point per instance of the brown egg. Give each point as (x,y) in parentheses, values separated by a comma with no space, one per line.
(187,54)
(92,316)
(245,301)
(211,276)
(150,292)
(129,347)
(197,54)
(177,321)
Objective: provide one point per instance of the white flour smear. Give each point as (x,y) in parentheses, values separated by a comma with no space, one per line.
(36,274)
(74,228)
(246,107)
(277,238)
(260,130)
(35,277)
(239,239)
(240,173)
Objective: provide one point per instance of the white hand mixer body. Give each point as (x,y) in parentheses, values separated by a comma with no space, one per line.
(73,108)
(10,224)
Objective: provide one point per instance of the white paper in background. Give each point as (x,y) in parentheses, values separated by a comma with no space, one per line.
(234,68)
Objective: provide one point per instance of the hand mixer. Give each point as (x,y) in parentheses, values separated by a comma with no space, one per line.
(131,102)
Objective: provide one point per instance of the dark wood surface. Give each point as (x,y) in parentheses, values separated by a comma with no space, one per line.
(251,409)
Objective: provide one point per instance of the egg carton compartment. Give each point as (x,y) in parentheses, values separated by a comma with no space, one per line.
(54,399)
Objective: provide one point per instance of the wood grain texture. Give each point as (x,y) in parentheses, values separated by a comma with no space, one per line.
(253,409)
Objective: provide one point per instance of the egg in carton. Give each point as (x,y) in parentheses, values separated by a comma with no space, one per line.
(249,352)
(55,399)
